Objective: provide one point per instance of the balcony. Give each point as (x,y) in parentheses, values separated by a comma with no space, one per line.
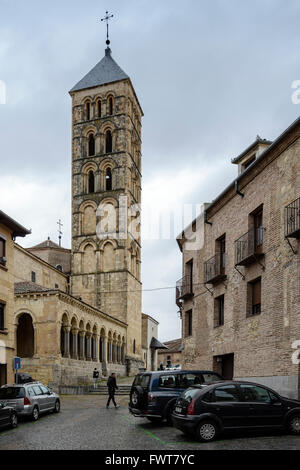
(214,269)
(184,288)
(248,248)
(292,219)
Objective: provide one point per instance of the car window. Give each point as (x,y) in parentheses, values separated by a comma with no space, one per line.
(208,378)
(227,393)
(142,380)
(208,397)
(37,390)
(9,393)
(255,393)
(30,392)
(189,394)
(167,381)
(188,380)
(44,389)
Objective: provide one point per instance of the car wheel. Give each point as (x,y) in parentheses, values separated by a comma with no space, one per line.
(294,425)
(35,414)
(207,431)
(57,407)
(154,420)
(14,420)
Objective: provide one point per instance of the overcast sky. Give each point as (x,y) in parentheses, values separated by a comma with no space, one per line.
(210,75)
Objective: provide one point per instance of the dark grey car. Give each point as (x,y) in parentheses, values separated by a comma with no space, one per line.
(30,399)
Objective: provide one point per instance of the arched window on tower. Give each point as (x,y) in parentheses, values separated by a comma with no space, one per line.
(99,108)
(108,180)
(91,145)
(134,347)
(108,142)
(110,106)
(91,185)
(88,111)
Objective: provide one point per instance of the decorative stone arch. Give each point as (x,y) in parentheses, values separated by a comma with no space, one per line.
(87,104)
(86,169)
(87,217)
(107,164)
(108,218)
(108,255)
(107,142)
(25,333)
(88,250)
(98,110)
(88,130)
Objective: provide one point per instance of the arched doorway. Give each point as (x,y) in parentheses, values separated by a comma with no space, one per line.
(25,336)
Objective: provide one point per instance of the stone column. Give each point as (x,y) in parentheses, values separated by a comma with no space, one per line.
(66,330)
(95,348)
(74,353)
(81,352)
(88,347)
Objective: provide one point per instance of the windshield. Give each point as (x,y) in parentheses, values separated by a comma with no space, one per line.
(12,392)
(208,378)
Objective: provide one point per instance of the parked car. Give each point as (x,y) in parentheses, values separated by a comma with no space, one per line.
(208,411)
(30,399)
(153,394)
(8,416)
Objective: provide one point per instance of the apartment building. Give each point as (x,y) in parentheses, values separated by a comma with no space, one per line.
(239,296)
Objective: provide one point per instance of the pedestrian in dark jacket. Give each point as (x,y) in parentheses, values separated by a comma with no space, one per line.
(112,387)
(95,377)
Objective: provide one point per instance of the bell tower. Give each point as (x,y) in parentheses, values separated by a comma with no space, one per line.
(106,196)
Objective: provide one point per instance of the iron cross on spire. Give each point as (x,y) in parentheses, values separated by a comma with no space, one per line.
(60,225)
(107,17)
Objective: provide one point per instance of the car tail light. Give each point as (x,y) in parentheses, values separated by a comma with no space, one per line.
(27,401)
(150,397)
(191,407)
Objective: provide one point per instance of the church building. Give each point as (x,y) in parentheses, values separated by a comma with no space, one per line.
(82,308)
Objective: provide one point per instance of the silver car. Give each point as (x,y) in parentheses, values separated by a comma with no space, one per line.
(30,399)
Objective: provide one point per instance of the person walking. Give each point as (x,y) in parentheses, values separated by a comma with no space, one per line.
(95,377)
(112,387)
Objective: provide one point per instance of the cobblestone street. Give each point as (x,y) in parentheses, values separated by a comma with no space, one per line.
(84,423)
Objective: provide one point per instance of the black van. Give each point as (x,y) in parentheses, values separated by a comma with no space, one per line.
(153,394)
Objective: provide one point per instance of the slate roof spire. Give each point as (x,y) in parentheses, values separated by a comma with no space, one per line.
(106,71)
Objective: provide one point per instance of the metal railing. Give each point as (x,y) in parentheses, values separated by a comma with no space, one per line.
(214,268)
(248,246)
(292,219)
(184,287)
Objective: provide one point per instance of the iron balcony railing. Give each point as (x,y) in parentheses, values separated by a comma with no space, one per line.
(292,219)
(184,288)
(214,269)
(248,247)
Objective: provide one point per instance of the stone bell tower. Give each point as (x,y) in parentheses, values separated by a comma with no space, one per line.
(106,196)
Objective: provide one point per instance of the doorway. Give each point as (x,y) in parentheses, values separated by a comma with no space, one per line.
(3,374)
(224,365)
(228,366)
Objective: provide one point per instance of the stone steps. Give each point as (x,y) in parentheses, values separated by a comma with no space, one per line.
(102,390)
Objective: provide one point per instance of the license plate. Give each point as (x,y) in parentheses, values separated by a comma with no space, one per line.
(178,409)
